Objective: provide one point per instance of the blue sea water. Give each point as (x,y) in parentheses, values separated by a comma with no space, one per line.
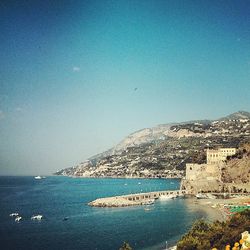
(89,228)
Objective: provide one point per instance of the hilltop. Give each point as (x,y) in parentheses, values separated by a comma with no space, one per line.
(163,151)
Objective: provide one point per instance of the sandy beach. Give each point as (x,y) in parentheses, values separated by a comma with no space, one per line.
(216,207)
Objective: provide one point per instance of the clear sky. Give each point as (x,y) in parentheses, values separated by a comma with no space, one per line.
(76,77)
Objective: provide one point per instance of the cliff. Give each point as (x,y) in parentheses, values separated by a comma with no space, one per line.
(237,168)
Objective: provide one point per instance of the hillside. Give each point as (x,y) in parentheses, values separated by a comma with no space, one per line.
(237,168)
(164,150)
(216,235)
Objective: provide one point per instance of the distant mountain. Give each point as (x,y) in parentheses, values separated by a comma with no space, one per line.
(143,136)
(162,151)
(161,132)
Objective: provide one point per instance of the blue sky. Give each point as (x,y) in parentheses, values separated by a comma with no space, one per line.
(76,77)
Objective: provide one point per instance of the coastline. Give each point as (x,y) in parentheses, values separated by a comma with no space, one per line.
(217,206)
(120,177)
(214,209)
(194,205)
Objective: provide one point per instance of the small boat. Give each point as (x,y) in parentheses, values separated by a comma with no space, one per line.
(210,196)
(14,214)
(201,196)
(36,217)
(147,209)
(18,218)
(167,197)
(39,177)
(148,202)
(180,195)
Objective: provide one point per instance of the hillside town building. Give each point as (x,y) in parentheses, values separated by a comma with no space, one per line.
(219,155)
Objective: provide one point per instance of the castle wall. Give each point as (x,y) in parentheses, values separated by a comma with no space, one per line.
(207,176)
(192,170)
(202,172)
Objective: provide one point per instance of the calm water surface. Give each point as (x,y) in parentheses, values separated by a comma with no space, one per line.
(89,228)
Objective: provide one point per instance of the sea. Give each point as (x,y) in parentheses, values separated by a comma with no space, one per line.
(69,223)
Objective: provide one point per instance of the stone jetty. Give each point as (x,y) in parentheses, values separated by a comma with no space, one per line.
(134,199)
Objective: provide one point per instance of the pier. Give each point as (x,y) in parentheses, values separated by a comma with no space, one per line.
(134,199)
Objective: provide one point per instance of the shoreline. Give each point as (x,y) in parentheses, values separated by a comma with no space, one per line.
(214,209)
(119,177)
(218,205)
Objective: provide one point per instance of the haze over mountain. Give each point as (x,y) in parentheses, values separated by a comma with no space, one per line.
(163,151)
(162,131)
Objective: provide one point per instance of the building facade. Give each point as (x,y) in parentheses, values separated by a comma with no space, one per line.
(219,155)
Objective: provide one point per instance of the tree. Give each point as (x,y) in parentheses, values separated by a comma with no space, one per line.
(218,234)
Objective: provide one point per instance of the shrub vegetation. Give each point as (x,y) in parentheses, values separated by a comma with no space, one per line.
(206,236)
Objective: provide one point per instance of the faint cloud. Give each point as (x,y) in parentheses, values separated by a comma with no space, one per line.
(19,109)
(1,115)
(76,69)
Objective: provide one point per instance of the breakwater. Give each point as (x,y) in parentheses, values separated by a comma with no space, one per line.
(134,199)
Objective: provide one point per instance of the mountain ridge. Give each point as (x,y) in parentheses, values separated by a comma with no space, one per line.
(136,154)
(164,128)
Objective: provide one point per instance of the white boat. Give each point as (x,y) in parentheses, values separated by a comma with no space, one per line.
(148,202)
(167,197)
(18,218)
(201,196)
(210,196)
(147,209)
(39,177)
(180,195)
(37,217)
(14,214)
